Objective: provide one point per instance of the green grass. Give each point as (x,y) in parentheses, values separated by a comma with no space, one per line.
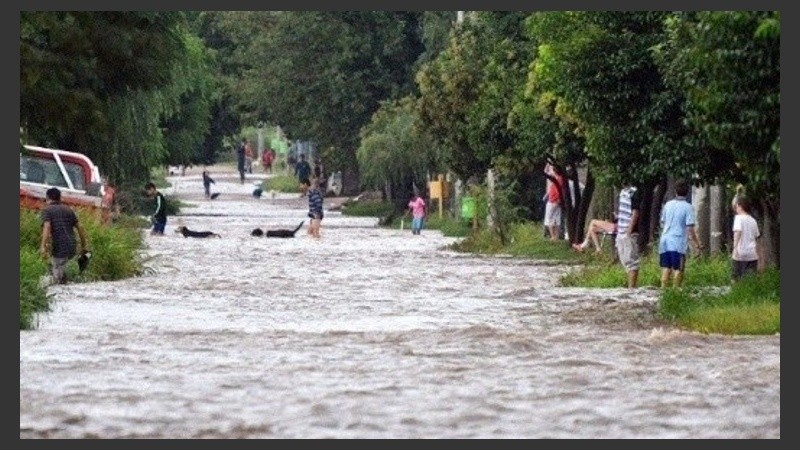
(32,297)
(368,208)
(448,227)
(601,271)
(751,306)
(524,239)
(281,183)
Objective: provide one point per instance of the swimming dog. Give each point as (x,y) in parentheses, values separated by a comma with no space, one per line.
(195,234)
(277,233)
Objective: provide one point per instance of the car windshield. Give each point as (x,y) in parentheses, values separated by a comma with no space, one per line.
(46,171)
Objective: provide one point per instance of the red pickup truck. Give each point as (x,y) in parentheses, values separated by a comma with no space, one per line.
(73,173)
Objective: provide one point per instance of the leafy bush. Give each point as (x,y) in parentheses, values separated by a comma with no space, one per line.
(367,208)
(115,255)
(32,296)
(281,183)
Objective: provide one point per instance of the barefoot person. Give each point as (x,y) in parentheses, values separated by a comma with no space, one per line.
(315,200)
(596,226)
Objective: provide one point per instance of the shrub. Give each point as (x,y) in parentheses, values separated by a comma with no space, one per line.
(115,255)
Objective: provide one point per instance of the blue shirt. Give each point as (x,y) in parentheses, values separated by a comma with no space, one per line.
(676,216)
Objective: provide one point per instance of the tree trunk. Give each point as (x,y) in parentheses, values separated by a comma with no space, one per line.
(661,195)
(582,209)
(702,215)
(645,217)
(351,183)
(717,218)
(402,193)
(771,234)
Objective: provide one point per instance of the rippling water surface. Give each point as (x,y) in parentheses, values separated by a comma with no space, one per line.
(372,333)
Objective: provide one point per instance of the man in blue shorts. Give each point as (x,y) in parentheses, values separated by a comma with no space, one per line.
(677,226)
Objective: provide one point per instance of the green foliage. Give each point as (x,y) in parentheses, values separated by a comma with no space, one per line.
(502,212)
(436,27)
(601,271)
(115,255)
(507,52)
(322,74)
(728,65)
(193,94)
(448,86)
(368,208)
(750,306)
(32,297)
(395,152)
(280,183)
(598,63)
(97,83)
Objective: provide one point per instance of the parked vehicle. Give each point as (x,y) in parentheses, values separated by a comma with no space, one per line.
(75,174)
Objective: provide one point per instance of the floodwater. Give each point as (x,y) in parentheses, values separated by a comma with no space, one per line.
(371,333)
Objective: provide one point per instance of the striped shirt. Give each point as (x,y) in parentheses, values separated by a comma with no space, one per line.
(628,202)
(315,201)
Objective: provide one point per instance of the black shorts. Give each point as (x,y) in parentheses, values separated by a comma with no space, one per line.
(741,268)
(305,181)
(315,215)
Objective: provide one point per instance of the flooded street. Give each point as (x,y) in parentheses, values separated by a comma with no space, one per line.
(371,333)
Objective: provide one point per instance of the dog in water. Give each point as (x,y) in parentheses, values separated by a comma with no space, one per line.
(195,234)
(277,233)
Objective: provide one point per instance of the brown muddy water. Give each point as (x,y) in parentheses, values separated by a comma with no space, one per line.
(371,333)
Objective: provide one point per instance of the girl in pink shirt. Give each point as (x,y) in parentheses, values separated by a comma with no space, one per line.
(417,208)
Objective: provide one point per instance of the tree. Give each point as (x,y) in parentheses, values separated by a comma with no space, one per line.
(601,64)
(322,74)
(215,29)
(104,83)
(491,131)
(193,93)
(448,86)
(394,151)
(728,63)
(72,63)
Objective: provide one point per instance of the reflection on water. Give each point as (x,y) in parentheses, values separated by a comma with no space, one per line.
(373,333)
